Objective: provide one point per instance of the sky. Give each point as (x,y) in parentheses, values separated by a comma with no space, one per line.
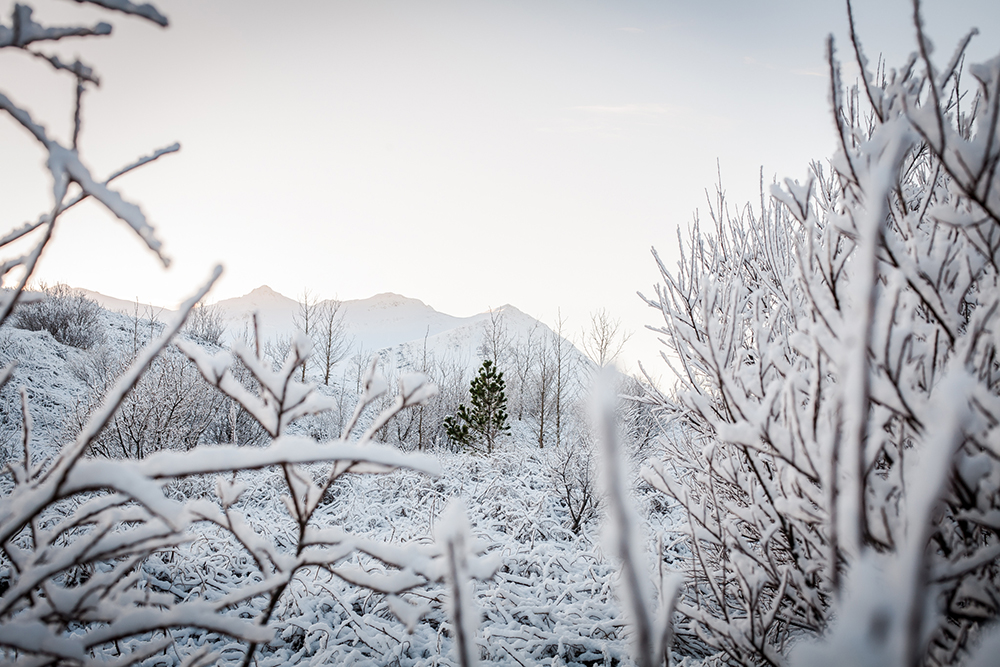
(467,154)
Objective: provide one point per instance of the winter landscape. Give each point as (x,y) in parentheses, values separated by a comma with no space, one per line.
(274,479)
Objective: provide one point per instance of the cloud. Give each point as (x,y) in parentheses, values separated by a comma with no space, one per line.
(631,29)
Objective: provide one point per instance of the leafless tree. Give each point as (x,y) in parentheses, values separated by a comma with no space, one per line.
(523,359)
(542,385)
(276,349)
(451,374)
(421,411)
(564,381)
(171,407)
(306,320)
(359,362)
(605,338)
(332,341)
(496,343)
(574,479)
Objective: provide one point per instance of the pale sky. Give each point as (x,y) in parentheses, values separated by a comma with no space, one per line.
(468,154)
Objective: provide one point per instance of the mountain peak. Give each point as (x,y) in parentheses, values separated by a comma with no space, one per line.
(264,290)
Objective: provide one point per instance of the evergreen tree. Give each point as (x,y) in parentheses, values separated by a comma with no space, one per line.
(486,420)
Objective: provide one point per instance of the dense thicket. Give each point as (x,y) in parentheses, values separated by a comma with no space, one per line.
(838,395)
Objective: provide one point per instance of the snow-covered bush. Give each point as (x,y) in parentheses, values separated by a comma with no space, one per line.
(235,426)
(574,479)
(68,315)
(205,323)
(91,564)
(838,396)
(170,407)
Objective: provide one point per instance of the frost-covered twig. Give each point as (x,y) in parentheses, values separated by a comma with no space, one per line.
(461,609)
(145,10)
(620,530)
(65,166)
(24,30)
(281,401)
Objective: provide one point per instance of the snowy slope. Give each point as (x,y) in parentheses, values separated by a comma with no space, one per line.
(55,377)
(45,368)
(125,306)
(387,320)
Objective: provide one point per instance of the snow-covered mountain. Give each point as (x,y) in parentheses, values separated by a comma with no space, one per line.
(387,320)
(376,323)
(392,325)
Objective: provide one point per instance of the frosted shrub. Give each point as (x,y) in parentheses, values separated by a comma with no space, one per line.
(206,324)
(574,480)
(68,315)
(171,406)
(838,395)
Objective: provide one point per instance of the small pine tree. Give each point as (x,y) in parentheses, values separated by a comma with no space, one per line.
(486,420)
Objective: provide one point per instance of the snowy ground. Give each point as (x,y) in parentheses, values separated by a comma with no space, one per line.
(550,602)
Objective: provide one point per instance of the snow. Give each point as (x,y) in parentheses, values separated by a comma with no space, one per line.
(36,637)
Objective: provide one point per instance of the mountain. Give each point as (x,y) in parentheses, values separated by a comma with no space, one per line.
(386,320)
(382,323)
(275,313)
(394,326)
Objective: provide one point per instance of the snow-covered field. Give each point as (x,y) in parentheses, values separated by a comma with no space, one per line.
(551,600)
(545,595)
